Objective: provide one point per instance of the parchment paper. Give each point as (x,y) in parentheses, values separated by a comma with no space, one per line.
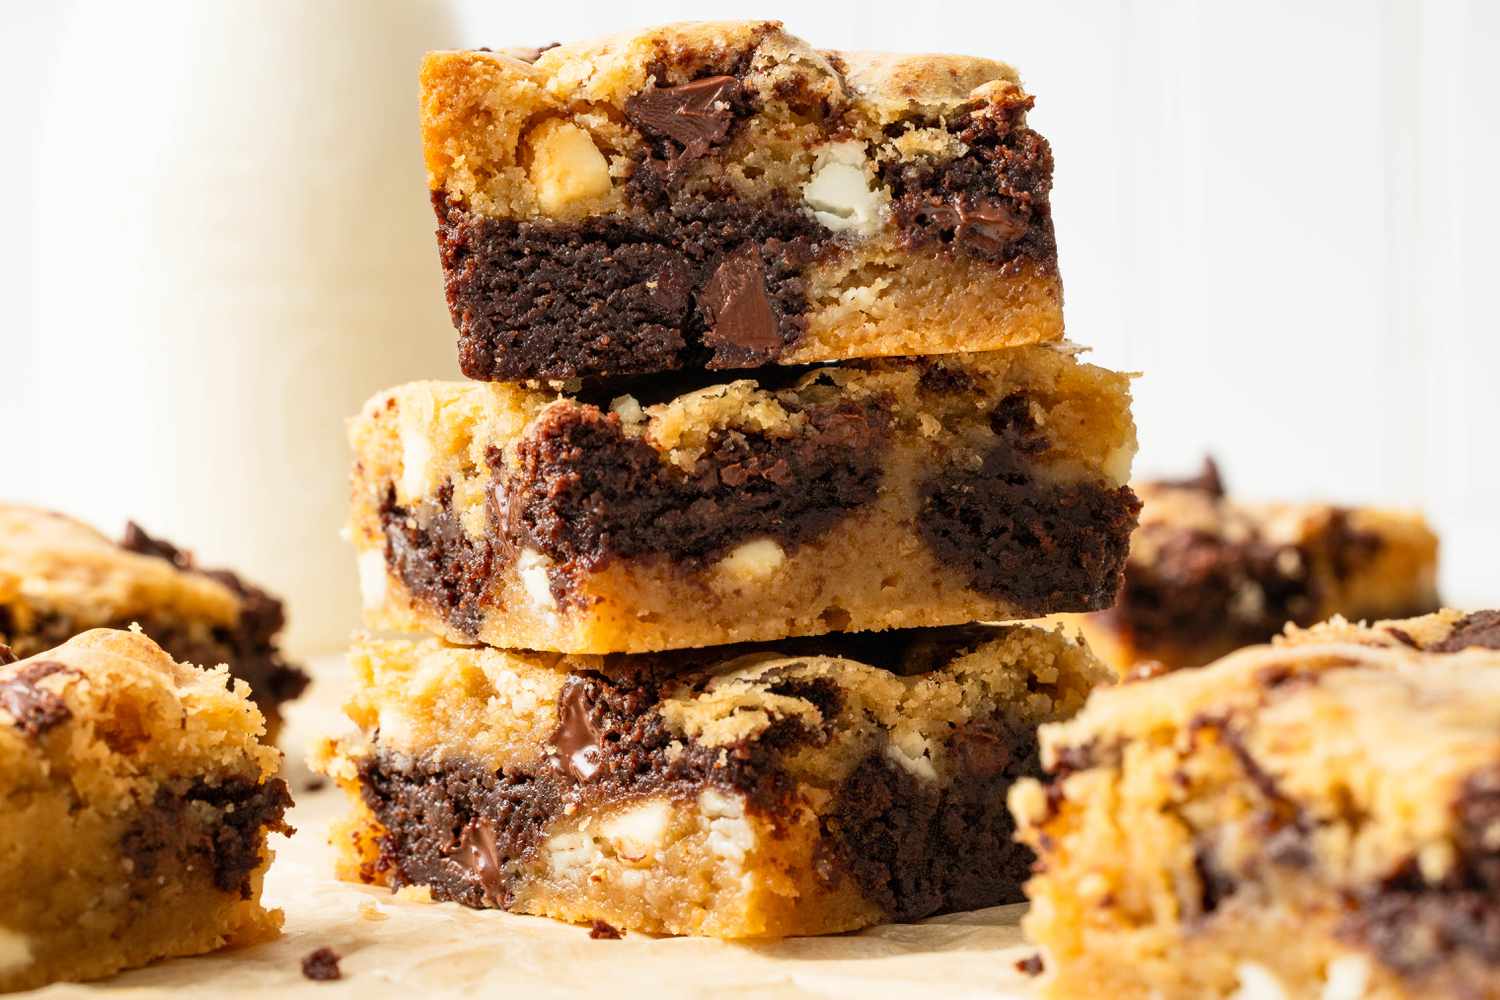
(393,947)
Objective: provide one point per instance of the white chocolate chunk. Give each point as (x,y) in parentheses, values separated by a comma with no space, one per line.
(729,835)
(752,561)
(911,754)
(840,193)
(628,409)
(1258,983)
(418,470)
(566,167)
(637,833)
(1348,978)
(372,578)
(532,567)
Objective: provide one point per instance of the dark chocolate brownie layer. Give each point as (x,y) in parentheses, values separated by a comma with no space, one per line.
(586,492)
(467,830)
(217,828)
(1034,543)
(688,277)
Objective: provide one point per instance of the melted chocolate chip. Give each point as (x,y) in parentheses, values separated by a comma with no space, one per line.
(478,852)
(34,708)
(322,965)
(7,655)
(575,739)
(743,328)
(1480,629)
(697,116)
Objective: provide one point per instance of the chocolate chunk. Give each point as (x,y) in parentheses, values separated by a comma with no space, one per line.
(35,709)
(7,655)
(697,116)
(1014,423)
(601,931)
(322,965)
(1208,480)
(1480,629)
(743,329)
(478,852)
(575,739)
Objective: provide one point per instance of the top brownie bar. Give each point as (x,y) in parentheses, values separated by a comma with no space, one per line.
(721,195)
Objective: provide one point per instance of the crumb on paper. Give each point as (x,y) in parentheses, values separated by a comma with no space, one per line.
(414,894)
(322,965)
(371,910)
(602,931)
(1031,965)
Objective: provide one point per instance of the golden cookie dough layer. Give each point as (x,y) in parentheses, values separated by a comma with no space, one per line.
(915,175)
(1208,574)
(874,495)
(60,577)
(135,798)
(744,792)
(1319,816)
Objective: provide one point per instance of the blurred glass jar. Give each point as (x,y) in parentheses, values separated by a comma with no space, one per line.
(234,250)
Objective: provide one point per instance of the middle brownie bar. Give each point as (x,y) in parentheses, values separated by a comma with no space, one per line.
(869,495)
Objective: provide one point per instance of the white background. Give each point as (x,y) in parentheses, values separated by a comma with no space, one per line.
(1285,214)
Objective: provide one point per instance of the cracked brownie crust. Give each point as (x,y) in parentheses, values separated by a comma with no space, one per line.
(871,495)
(59,577)
(1320,816)
(741,792)
(135,802)
(721,195)
(1208,574)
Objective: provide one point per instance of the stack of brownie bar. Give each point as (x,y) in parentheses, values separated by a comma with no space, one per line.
(770,405)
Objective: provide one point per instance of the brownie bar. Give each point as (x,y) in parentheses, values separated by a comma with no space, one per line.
(870,495)
(721,195)
(740,792)
(1208,574)
(60,577)
(1320,817)
(135,801)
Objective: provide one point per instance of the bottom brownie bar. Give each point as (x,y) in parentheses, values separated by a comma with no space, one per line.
(1316,818)
(135,800)
(748,791)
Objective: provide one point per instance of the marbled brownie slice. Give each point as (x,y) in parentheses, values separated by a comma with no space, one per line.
(135,800)
(875,494)
(735,792)
(1320,817)
(723,195)
(1208,574)
(60,577)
